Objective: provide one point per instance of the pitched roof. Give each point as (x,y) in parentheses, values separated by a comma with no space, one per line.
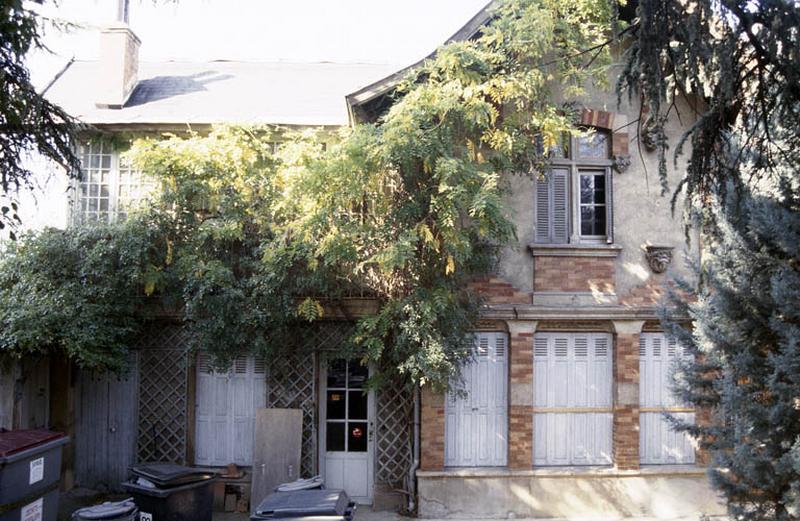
(387,84)
(177,93)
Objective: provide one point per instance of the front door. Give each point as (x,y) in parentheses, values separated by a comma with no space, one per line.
(347,429)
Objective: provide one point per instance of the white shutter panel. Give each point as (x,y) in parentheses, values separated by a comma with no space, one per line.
(226,405)
(658,442)
(476,426)
(572,376)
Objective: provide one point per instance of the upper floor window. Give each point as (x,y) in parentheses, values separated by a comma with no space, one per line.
(109,188)
(572,200)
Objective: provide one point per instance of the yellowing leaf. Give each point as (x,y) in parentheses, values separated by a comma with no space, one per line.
(451,265)
(149,287)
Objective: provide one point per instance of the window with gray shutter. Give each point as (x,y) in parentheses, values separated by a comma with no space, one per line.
(552,207)
(573,201)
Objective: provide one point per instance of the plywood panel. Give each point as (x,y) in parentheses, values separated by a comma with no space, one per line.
(276,451)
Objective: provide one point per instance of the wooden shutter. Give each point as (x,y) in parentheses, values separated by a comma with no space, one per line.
(552,207)
(659,443)
(226,405)
(476,424)
(572,399)
(609,207)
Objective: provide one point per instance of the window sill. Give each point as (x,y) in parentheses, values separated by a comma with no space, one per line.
(564,472)
(575,250)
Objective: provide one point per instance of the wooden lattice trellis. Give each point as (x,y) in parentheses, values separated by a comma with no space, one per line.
(393,434)
(291,385)
(163,394)
(292,380)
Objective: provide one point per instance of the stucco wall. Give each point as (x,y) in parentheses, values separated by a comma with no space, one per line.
(642,215)
(653,493)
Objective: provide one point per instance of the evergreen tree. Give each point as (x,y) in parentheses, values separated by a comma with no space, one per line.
(738,62)
(29,124)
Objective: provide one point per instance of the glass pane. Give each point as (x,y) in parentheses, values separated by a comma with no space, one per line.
(93,190)
(334,436)
(95,161)
(599,220)
(587,220)
(594,146)
(587,190)
(357,437)
(106,162)
(336,405)
(357,405)
(104,205)
(561,148)
(600,189)
(358,375)
(337,374)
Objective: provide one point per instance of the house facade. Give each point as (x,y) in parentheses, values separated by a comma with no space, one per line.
(564,410)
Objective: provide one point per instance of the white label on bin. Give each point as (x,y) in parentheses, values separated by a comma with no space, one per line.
(37,471)
(145,516)
(33,511)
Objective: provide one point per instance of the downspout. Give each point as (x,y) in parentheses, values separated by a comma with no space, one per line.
(412,472)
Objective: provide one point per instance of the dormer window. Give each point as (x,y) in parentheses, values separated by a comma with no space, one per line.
(109,188)
(572,200)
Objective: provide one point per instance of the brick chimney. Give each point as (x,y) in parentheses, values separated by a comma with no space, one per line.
(119,65)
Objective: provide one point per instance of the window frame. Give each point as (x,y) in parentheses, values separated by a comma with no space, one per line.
(115,212)
(576,165)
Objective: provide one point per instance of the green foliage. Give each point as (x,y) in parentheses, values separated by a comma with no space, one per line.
(28,122)
(405,210)
(75,292)
(737,63)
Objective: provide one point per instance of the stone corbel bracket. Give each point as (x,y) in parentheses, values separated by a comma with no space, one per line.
(658,257)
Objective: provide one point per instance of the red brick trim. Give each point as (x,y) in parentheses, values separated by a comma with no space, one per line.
(520,412)
(626,406)
(496,290)
(431,430)
(573,274)
(605,120)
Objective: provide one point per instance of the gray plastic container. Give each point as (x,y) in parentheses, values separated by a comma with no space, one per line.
(30,463)
(306,505)
(109,511)
(45,507)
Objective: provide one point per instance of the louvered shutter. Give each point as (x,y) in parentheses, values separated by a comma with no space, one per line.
(659,443)
(226,405)
(476,424)
(542,188)
(609,207)
(552,207)
(572,399)
(560,201)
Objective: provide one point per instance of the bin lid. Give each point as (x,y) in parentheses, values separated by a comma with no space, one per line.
(16,441)
(107,510)
(324,502)
(170,475)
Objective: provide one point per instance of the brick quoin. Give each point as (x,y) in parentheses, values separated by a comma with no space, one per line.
(431,430)
(626,413)
(520,415)
(496,290)
(573,274)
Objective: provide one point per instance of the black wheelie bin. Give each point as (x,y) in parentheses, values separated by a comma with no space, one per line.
(169,492)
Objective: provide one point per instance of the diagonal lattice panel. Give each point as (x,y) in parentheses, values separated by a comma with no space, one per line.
(393,434)
(292,379)
(163,394)
(292,386)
